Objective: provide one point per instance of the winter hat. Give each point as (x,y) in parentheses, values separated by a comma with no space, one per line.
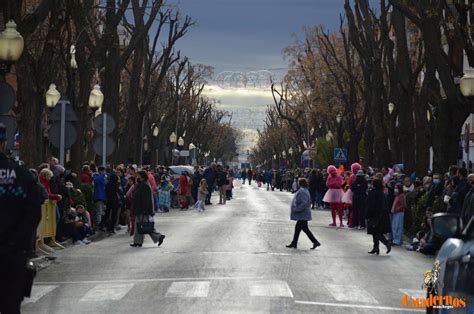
(355,167)
(360,173)
(331,169)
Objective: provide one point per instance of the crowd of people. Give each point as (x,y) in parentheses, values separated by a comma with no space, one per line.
(102,198)
(383,201)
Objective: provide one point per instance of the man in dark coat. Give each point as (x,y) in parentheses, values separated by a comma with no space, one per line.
(210,176)
(143,206)
(460,192)
(20,213)
(313,185)
(377,216)
(112,191)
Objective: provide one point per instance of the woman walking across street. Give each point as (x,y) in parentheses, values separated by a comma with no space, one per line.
(359,198)
(377,217)
(143,205)
(301,212)
(334,195)
(397,211)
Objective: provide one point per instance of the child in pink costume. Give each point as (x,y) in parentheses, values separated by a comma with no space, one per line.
(334,195)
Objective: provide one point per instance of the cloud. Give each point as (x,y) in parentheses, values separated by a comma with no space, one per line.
(248,107)
(239,94)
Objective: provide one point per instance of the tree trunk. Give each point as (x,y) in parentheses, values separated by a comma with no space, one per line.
(447,130)
(29,122)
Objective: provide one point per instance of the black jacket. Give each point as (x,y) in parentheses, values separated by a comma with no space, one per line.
(458,196)
(378,218)
(20,207)
(313,182)
(221,178)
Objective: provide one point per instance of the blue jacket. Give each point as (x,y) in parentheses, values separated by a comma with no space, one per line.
(301,205)
(99,187)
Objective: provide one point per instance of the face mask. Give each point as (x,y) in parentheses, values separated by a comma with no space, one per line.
(436,181)
(396,191)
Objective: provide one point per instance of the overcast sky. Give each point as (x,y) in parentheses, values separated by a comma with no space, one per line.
(249,35)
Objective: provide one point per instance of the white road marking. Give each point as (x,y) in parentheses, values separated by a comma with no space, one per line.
(350,293)
(145,280)
(416,293)
(38,292)
(107,292)
(188,289)
(270,288)
(359,306)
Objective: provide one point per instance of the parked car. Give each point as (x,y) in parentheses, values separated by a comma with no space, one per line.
(176,171)
(456,261)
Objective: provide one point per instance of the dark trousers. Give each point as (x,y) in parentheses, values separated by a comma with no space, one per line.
(12,282)
(313,197)
(210,189)
(358,212)
(378,237)
(110,218)
(302,225)
(319,198)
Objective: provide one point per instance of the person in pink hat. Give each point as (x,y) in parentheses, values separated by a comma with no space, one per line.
(334,195)
(347,197)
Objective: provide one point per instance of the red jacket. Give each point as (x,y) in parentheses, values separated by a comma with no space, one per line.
(45,183)
(86,177)
(183,184)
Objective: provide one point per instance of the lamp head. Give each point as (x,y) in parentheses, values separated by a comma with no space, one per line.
(52,96)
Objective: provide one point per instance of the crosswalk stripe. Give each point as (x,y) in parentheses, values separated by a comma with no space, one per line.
(350,293)
(107,292)
(188,289)
(270,288)
(416,293)
(39,291)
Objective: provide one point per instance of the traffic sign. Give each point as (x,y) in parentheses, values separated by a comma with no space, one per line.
(340,155)
(54,134)
(109,145)
(10,125)
(7,97)
(56,112)
(99,123)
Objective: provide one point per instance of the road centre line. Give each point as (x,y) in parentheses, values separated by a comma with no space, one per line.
(360,306)
(143,280)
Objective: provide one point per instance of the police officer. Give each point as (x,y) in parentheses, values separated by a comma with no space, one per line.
(19,217)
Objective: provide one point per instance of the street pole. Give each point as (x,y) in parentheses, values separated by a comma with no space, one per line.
(176,129)
(62,135)
(141,140)
(104,136)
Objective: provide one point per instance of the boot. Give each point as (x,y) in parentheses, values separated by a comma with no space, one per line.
(374,251)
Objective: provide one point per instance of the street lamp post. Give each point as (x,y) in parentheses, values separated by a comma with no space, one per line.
(173,140)
(193,148)
(96,99)
(11,48)
(466,84)
(155,131)
(339,129)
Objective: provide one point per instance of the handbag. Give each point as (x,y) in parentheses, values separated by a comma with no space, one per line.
(146,226)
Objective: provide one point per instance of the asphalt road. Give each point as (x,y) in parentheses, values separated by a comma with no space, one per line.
(231,259)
